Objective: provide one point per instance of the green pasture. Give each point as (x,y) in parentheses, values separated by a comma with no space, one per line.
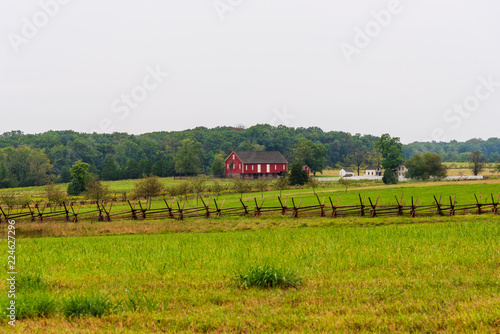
(425,277)
(424,191)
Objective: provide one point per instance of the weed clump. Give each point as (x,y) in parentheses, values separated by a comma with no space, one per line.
(95,305)
(36,305)
(268,276)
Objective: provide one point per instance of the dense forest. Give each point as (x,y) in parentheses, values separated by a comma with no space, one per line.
(36,159)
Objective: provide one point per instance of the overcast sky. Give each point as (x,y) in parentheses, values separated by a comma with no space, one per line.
(420,70)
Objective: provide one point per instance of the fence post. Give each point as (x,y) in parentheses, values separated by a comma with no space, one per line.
(6,216)
(132,209)
(413,207)
(283,206)
(257,207)
(321,205)
(373,211)
(244,207)
(169,208)
(334,208)
(296,209)
(452,205)
(40,214)
(495,204)
(75,215)
(67,212)
(108,218)
(362,211)
(100,217)
(400,205)
(143,211)
(181,214)
(207,212)
(439,211)
(478,204)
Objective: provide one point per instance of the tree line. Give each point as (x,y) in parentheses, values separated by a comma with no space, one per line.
(38,159)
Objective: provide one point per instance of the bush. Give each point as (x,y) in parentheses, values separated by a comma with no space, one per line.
(80,176)
(389,177)
(95,190)
(148,186)
(298,176)
(268,276)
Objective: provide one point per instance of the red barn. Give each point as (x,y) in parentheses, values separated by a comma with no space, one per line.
(307,169)
(255,165)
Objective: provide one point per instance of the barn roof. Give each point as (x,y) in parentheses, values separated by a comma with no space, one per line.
(349,170)
(373,167)
(261,157)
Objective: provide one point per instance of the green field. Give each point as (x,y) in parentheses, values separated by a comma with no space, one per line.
(387,274)
(425,191)
(427,274)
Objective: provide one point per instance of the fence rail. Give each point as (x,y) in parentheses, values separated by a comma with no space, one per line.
(138,210)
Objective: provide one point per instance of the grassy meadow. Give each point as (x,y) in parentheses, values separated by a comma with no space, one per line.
(356,274)
(425,191)
(439,274)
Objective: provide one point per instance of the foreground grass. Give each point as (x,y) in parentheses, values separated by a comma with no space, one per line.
(407,275)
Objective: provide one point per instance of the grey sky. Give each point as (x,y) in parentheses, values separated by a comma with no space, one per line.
(233,62)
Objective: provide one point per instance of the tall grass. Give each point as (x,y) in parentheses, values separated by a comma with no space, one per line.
(268,276)
(95,305)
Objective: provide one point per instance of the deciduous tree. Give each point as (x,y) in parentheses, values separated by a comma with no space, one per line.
(311,154)
(477,162)
(261,185)
(197,186)
(357,159)
(79,178)
(218,165)
(95,189)
(148,186)
(282,183)
(391,150)
(54,194)
(188,157)
(241,186)
(424,166)
(110,171)
(297,175)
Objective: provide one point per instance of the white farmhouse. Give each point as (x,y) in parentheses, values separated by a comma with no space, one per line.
(346,172)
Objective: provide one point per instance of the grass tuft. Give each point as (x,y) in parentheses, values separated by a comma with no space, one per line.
(268,276)
(30,282)
(36,305)
(95,305)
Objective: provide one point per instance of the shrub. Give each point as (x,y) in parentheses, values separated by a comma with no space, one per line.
(389,177)
(148,186)
(95,190)
(268,276)
(54,194)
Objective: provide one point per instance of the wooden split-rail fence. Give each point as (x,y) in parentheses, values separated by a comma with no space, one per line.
(139,210)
